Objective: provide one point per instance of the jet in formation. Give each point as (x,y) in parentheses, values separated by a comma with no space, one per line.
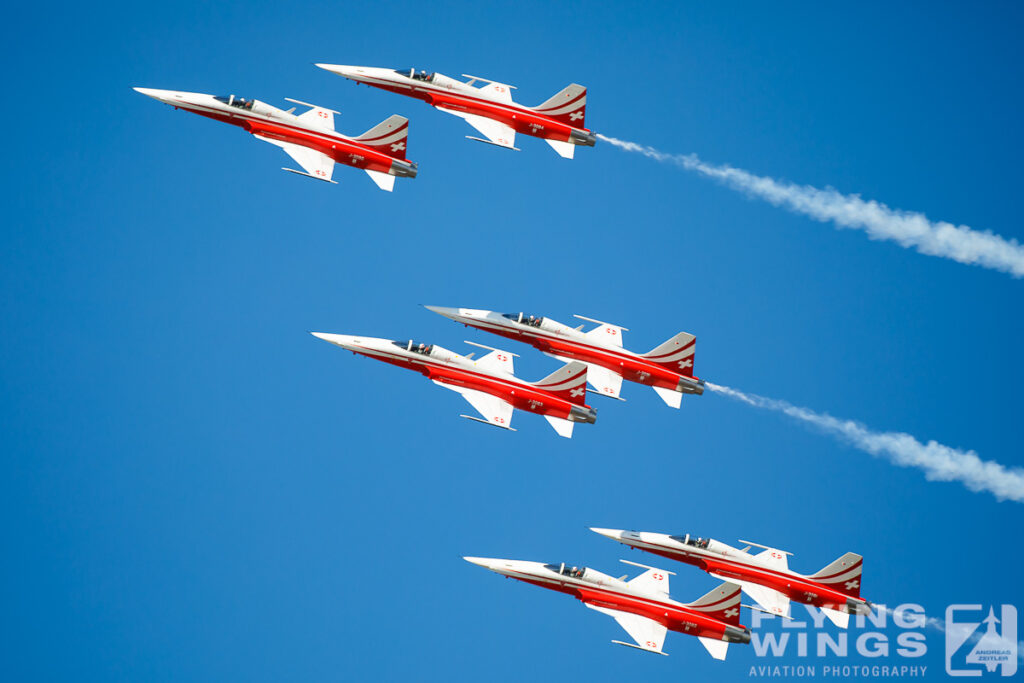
(488,108)
(488,383)
(668,368)
(641,605)
(764,576)
(309,138)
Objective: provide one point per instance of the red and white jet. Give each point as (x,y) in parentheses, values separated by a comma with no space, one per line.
(489,108)
(766,576)
(309,138)
(668,368)
(487,383)
(642,605)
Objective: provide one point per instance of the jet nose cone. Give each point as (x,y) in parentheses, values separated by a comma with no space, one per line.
(337,339)
(485,562)
(452,313)
(614,534)
(156,94)
(354,72)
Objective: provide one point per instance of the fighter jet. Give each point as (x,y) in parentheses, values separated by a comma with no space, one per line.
(766,576)
(487,383)
(309,138)
(668,368)
(488,108)
(642,605)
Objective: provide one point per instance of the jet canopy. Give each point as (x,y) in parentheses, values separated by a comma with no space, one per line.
(565,570)
(420,75)
(414,346)
(524,318)
(695,541)
(233,101)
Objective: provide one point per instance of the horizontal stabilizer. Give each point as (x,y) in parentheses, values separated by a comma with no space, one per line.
(385,181)
(566,150)
(563,427)
(716,648)
(673,398)
(840,619)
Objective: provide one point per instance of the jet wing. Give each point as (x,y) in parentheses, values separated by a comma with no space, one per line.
(609,334)
(648,634)
(652,581)
(771,600)
(604,381)
(496,360)
(494,411)
(315,164)
(496,133)
(776,559)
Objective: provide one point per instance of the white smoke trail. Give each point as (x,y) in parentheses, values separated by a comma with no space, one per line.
(910,229)
(939,462)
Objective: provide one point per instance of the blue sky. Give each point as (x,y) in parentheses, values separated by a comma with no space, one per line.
(195,488)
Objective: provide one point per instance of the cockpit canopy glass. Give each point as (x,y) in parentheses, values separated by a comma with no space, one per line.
(414,346)
(524,318)
(239,102)
(566,570)
(695,541)
(420,75)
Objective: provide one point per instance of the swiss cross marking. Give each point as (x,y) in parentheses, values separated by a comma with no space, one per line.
(576,116)
(398,146)
(688,363)
(578,392)
(731,612)
(850,585)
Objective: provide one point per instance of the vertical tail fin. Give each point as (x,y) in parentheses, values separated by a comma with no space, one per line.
(843,575)
(677,354)
(388,136)
(569,106)
(568,382)
(723,603)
